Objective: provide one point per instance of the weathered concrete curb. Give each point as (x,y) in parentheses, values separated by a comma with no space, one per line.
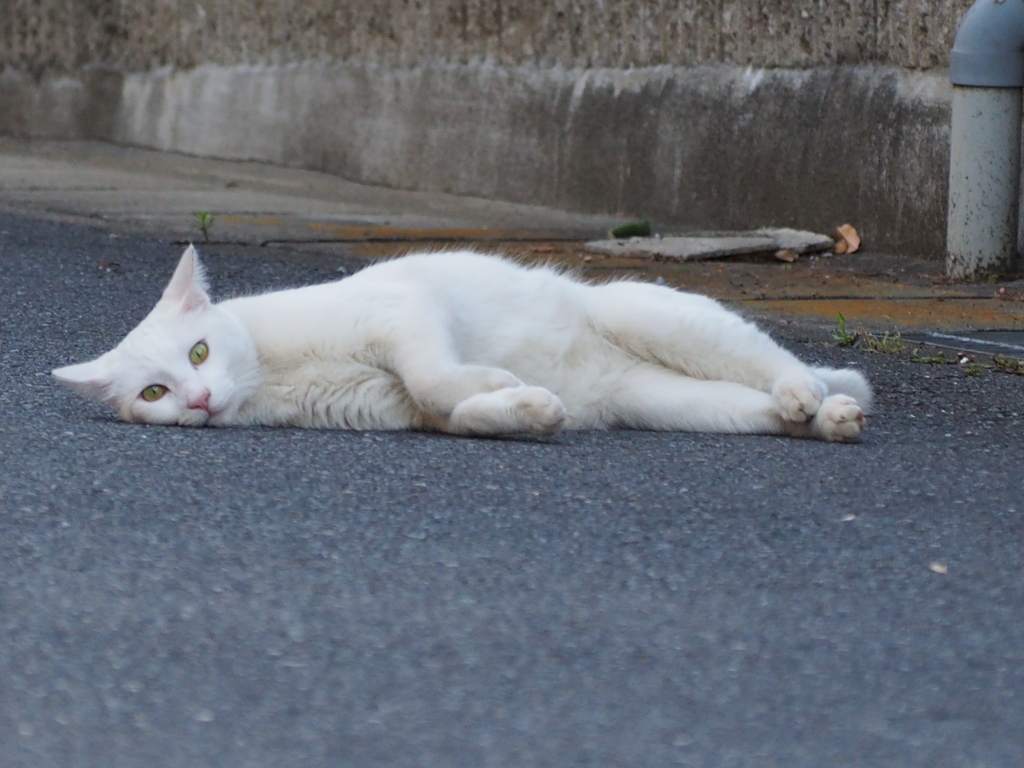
(708,147)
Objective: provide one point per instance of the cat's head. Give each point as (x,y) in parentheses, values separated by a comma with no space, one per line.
(188,362)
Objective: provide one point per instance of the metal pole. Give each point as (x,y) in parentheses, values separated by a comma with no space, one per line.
(987,71)
(984,181)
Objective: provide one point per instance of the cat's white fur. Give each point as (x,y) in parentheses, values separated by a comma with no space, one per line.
(466,344)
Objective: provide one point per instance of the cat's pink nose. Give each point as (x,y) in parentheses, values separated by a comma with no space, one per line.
(201,400)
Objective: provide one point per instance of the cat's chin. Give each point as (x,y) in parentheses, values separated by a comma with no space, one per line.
(194,418)
(222,418)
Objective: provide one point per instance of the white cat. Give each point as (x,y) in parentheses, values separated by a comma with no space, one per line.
(466,344)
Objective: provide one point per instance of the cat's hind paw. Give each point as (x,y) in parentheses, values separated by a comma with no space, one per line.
(798,398)
(839,419)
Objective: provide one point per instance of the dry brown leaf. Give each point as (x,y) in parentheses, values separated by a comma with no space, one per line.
(786,255)
(938,568)
(848,235)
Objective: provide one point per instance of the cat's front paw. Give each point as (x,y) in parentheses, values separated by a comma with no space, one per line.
(839,419)
(540,411)
(798,398)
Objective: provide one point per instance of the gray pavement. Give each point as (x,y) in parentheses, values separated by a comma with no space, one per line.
(136,190)
(173,597)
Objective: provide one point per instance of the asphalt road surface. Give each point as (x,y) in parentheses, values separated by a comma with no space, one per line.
(176,597)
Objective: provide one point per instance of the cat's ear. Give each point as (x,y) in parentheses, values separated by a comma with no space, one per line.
(188,286)
(91,379)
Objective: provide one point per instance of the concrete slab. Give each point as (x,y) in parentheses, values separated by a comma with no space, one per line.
(797,240)
(701,246)
(682,248)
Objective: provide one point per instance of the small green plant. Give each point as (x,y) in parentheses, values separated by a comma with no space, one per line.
(993,279)
(974,370)
(889,344)
(841,336)
(939,359)
(1008,365)
(631,229)
(204,223)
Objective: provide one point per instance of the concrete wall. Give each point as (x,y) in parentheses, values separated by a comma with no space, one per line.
(713,114)
(62,35)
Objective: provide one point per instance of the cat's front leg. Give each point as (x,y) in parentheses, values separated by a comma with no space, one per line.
(422,350)
(439,390)
(464,398)
(477,400)
(512,411)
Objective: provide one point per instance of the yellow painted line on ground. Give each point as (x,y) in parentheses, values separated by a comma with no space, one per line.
(261,221)
(942,313)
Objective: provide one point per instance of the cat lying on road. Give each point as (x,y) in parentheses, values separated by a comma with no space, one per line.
(466,344)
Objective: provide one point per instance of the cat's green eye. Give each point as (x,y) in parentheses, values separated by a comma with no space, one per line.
(153,392)
(199,353)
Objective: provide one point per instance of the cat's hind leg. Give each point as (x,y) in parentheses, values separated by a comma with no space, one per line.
(689,333)
(651,397)
(799,395)
(696,336)
(839,419)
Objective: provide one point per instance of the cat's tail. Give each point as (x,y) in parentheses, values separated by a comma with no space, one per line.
(846,381)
